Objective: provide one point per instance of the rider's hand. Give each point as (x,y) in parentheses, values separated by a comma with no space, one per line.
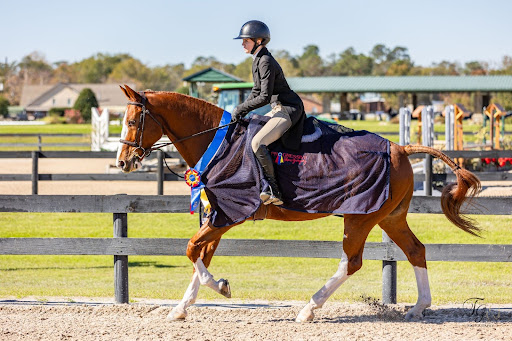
(236,115)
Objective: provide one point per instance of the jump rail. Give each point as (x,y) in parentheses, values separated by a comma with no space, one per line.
(121,247)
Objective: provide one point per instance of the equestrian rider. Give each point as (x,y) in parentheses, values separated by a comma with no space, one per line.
(270,86)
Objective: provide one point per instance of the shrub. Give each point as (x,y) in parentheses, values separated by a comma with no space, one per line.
(85,101)
(57,111)
(4,106)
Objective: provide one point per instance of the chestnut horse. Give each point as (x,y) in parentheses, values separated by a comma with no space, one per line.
(150,115)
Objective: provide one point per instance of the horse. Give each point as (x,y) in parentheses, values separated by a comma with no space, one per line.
(190,123)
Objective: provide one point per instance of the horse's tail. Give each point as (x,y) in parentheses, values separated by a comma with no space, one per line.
(454,195)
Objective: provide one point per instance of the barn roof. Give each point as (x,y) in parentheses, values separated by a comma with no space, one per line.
(401,84)
(211,75)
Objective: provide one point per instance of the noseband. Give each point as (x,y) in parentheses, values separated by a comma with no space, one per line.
(140,130)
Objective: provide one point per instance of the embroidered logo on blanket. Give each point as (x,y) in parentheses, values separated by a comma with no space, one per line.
(280,158)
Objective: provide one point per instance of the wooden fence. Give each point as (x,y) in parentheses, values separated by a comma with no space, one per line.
(159,176)
(121,247)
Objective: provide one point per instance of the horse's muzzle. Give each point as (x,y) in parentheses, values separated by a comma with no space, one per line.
(128,166)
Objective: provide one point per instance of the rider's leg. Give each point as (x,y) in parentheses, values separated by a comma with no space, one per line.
(271,132)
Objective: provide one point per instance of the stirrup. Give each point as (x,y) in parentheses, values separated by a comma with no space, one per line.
(268,197)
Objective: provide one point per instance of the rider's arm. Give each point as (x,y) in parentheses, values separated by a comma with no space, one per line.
(267,76)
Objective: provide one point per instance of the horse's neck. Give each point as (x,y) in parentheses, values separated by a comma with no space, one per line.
(185,116)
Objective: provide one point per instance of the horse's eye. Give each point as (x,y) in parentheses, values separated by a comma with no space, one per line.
(131,123)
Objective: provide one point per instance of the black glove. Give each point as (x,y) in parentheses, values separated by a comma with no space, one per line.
(236,115)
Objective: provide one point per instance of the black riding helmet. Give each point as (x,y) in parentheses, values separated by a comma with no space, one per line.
(255,29)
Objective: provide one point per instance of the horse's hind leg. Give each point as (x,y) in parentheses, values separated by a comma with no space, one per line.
(356,231)
(398,230)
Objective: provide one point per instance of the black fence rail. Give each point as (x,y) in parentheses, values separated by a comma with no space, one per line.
(160,176)
(121,247)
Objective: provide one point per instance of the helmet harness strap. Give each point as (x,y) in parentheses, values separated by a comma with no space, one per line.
(256,45)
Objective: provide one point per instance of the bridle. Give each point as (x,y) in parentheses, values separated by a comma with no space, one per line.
(140,130)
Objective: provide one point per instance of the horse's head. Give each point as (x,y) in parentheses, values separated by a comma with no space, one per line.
(140,131)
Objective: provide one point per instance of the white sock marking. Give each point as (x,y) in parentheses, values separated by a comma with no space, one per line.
(424,297)
(332,284)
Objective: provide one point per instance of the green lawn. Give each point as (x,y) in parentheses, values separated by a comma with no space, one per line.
(250,277)
(47,129)
(373,126)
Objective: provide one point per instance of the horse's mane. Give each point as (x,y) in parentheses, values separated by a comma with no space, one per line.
(193,103)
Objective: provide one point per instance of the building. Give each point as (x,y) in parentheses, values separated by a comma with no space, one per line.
(37,100)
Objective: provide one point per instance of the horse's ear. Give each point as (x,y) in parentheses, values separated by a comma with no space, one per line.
(124,91)
(134,96)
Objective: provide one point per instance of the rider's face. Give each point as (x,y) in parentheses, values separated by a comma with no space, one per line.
(247,44)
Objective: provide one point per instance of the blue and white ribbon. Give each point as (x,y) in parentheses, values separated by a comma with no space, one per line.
(207,157)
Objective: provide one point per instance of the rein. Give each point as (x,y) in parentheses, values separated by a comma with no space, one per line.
(140,132)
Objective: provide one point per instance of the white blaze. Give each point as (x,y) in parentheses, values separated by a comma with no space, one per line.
(124,132)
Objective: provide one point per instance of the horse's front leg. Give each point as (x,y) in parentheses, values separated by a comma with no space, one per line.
(180,311)
(201,249)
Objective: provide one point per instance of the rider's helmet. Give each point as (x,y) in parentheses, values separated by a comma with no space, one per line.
(255,29)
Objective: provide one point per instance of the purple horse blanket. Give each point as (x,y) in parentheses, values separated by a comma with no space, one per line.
(336,170)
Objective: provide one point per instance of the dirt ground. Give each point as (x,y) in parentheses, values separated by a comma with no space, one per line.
(228,320)
(80,166)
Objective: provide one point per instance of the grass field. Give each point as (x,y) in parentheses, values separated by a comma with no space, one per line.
(250,277)
(373,126)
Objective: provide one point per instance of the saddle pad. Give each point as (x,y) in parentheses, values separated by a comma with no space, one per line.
(336,170)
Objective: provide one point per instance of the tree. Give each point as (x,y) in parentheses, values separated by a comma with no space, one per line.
(352,64)
(4,106)
(289,64)
(130,71)
(399,68)
(444,68)
(476,68)
(35,69)
(310,63)
(243,70)
(85,101)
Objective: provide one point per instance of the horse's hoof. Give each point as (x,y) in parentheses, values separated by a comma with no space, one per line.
(224,288)
(305,315)
(413,315)
(177,315)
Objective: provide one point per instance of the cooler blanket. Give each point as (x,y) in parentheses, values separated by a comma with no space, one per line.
(336,170)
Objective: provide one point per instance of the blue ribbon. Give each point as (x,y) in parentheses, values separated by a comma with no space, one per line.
(208,155)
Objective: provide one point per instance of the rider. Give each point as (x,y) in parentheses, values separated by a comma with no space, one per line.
(270,86)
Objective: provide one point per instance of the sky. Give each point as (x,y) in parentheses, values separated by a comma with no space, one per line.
(171,32)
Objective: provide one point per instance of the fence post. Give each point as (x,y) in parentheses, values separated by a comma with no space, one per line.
(389,267)
(389,274)
(35,171)
(40,142)
(160,172)
(121,262)
(428,140)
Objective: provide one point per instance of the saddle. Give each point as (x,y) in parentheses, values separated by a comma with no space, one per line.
(336,170)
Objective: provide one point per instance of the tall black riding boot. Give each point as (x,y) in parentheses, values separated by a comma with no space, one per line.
(272,195)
